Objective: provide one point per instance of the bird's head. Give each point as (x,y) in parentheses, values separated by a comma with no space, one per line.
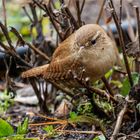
(91,36)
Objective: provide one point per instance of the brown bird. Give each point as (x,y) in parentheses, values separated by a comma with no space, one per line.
(88,48)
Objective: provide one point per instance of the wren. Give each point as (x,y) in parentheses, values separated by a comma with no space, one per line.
(88,48)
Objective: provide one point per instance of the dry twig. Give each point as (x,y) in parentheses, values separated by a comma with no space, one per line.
(121,39)
(119,120)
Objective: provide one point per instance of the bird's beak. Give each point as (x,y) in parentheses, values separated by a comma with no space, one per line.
(82,47)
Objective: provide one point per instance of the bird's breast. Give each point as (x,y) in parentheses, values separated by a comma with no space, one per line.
(98,62)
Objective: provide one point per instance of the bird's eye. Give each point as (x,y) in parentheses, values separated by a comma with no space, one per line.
(93,42)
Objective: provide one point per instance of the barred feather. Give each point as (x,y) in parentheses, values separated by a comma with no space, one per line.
(34,71)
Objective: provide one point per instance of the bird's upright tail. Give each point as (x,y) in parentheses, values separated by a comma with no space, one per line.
(34,71)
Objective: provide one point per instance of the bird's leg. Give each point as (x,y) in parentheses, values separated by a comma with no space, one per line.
(86,84)
(107,86)
(98,91)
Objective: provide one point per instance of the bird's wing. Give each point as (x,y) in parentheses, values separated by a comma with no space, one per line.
(61,69)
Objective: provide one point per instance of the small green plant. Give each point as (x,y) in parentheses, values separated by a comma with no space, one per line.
(73,115)
(5,128)
(23,128)
(105,105)
(89,119)
(126,85)
(101,137)
(18,137)
(50,130)
(6,101)
(7,131)
(85,108)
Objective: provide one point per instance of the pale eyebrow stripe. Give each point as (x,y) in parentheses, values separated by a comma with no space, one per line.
(97,35)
